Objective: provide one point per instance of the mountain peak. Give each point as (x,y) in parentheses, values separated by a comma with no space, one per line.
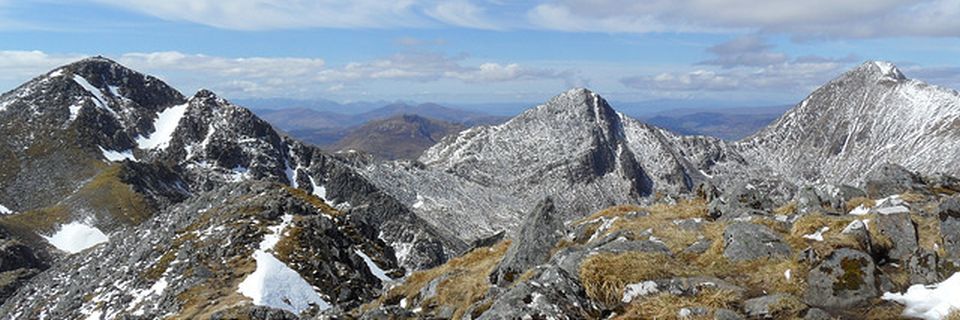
(881,69)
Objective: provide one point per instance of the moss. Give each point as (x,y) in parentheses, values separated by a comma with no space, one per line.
(912,197)
(853,274)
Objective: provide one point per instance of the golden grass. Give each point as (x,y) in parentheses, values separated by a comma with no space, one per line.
(604,276)
(668,306)
(661,222)
(786,209)
(466,281)
(615,211)
(912,197)
(856,202)
(928,231)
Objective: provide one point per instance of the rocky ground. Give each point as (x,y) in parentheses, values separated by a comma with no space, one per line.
(829,252)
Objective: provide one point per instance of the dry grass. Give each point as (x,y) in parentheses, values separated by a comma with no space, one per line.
(466,281)
(928,231)
(912,197)
(661,221)
(954,315)
(786,209)
(668,306)
(615,211)
(604,276)
(856,202)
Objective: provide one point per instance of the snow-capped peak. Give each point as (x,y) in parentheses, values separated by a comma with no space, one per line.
(887,70)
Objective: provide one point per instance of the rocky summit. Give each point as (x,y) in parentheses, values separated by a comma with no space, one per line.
(122,198)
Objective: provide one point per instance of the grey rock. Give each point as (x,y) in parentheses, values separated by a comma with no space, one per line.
(891,179)
(726,314)
(922,268)
(764,307)
(539,234)
(902,232)
(699,247)
(748,241)
(621,245)
(949,214)
(817,314)
(847,278)
(551,294)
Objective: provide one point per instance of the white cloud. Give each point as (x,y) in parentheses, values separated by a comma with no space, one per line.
(786,77)
(462,13)
(267,14)
(287,77)
(811,18)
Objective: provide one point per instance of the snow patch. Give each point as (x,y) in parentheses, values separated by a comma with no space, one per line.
(76,236)
(860,210)
(932,302)
(5,210)
(273,283)
(164,126)
(117,156)
(639,290)
(74,111)
(374,268)
(817,236)
(98,97)
(318,190)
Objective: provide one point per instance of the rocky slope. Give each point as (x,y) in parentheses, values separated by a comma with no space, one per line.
(579,150)
(102,157)
(848,259)
(868,116)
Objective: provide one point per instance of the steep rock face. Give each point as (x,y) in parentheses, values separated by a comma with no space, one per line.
(861,120)
(59,124)
(575,148)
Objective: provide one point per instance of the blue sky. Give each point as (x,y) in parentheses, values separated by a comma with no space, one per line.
(741,52)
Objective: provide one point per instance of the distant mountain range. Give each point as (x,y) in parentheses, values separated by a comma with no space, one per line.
(398,137)
(726,123)
(122,198)
(339,131)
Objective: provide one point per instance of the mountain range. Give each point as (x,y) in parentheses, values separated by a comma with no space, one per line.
(122,197)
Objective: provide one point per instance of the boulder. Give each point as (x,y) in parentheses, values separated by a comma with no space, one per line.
(890,179)
(551,294)
(540,232)
(902,233)
(847,278)
(748,241)
(950,227)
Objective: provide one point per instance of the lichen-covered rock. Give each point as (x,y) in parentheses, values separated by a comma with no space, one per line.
(950,227)
(847,278)
(748,241)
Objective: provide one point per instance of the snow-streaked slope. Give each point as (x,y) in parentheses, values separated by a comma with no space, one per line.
(575,147)
(164,126)
(866,117)
(76,236)
(274,284)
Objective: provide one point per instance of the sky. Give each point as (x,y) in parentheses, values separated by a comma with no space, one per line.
(740,52)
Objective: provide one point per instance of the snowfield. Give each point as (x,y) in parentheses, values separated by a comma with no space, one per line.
(932,302)
(76,236)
